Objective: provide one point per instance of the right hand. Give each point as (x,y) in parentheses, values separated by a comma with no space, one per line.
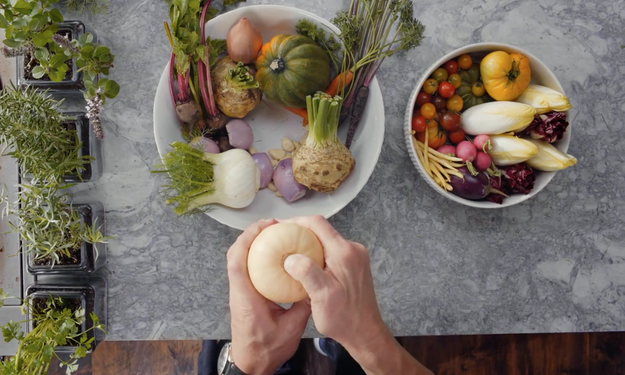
(342,296)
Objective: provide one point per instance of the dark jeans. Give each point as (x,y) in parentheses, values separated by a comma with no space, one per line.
(207,362)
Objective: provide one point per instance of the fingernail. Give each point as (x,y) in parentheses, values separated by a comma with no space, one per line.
(289,262)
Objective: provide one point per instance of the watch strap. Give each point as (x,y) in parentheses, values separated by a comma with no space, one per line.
(232,369)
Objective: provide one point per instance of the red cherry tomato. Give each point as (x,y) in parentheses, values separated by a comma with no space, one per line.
(451,67)
(446,90)
(439,102)
(418,123)
(457,136)
(423,98)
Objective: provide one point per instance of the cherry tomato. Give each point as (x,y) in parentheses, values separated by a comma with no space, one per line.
(477,89)
(418,124)
(450,121)
(446,90)
(457,136)
(455,103)
(439,102)
(430,86)
(440,75)
(455,80)
(428,111)
(465,62)
(422,98)
(436,136)
(451,67)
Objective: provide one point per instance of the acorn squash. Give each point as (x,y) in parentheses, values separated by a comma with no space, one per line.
(290,67)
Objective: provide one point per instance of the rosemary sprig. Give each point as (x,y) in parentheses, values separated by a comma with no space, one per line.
(49,226)
(32,129)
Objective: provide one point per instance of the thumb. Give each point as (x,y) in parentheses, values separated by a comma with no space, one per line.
(298,315)
(304,270)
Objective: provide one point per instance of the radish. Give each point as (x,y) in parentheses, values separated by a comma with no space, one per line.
(483,161)
(447,150)
(467,152)
(482,142)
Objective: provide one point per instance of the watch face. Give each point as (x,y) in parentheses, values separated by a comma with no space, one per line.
(222,361)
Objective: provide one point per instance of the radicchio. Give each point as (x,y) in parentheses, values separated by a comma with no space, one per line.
(548,127)
(518,178)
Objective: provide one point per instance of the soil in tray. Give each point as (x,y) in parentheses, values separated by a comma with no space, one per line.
(30,63)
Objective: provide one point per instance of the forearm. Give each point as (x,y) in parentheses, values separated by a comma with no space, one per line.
(385,356)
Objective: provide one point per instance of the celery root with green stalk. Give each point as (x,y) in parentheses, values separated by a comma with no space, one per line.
(323,162)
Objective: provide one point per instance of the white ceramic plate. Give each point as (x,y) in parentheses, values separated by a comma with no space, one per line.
(541,74)
(270,123)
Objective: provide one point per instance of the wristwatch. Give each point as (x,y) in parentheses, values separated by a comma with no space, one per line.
(225,366)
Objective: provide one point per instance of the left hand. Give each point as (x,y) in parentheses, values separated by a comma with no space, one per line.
(264,335)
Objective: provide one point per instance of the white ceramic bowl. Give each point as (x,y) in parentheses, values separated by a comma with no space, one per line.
(540,75)
(270,123)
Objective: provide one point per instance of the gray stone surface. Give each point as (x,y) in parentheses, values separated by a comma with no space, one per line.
(554,263)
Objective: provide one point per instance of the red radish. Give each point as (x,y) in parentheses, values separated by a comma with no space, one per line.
(482,142)
(447,150)
(483,161)
(466,151)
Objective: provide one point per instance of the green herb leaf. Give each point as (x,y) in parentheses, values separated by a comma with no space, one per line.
(11,43)
(23,7)
(111,89)
(55,15)
(3,21)
(38,72)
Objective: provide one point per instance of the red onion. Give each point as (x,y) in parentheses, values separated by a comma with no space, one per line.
(264,166)
(205,144)
(240,134)
(285,183)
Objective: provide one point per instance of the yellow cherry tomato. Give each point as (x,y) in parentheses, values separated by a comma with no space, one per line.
(455,103)
(440,75)
(430,86)
(477,89)
(455,80)
(465,61)
(428,111)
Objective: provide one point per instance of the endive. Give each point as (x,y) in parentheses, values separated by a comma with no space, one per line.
(497,118)
(198,179)
(544,99)
(549,158)
(509,150)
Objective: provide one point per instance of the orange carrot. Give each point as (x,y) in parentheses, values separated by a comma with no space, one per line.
(336,85)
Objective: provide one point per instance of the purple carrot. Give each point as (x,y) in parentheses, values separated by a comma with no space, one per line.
(359,107)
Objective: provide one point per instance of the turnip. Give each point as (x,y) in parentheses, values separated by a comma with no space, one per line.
(205,144)
(473,187)
(482,161)
(322,163)
(482,142)
(448,150)
(236,90)
(263,162)
(467,152)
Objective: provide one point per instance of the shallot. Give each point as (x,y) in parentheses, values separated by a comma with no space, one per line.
(240,134)
(244,41)
(263,162)
(285,183)
(205,144)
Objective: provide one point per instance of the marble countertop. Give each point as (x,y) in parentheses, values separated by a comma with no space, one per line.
(555,263)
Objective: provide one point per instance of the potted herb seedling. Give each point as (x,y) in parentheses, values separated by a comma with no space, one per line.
(56,236)
(56,54)
(47,144)
(61,320)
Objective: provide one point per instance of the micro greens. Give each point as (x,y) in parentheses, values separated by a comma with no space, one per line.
(93,6)
(32,129)
(50,227)
(54,324)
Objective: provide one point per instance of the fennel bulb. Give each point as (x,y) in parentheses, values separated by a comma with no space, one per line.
(198,179)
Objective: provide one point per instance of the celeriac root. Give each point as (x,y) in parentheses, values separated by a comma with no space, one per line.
(440,167)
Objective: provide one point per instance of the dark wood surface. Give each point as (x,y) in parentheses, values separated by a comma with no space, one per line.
(540,354)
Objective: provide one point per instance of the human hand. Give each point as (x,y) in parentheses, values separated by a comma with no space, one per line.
(342,296)
(264,335)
